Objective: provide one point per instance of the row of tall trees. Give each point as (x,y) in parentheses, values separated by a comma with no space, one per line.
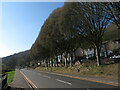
(76,24)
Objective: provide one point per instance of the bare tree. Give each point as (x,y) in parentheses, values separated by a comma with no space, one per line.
(89,20)
(113,8)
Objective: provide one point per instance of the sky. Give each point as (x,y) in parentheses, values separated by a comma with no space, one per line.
(21,23)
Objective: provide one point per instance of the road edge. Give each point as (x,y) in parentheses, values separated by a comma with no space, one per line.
(76,77)
(29,81)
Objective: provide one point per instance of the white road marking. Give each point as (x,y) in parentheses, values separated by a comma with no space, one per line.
(64,81)
(46,76)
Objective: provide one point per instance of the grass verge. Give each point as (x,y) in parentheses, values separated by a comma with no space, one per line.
(107,71)
(10,76)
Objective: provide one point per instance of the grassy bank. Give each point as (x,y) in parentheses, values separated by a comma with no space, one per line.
(10,76)
(108,71)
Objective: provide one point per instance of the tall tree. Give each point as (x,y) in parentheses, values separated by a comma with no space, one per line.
(89,20)
(49,37)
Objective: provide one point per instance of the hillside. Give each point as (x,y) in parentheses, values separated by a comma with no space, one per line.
(111,33)
(20,59)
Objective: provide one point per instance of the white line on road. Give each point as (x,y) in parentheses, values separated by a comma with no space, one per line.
(64,81)
(46,76)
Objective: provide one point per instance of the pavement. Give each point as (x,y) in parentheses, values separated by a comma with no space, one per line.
(19,82)
(48,80)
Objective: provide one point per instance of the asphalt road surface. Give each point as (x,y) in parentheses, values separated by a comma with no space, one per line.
(47,80)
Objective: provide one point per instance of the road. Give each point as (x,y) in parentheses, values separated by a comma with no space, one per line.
(47,80)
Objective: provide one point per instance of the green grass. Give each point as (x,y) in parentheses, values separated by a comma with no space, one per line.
(10,76)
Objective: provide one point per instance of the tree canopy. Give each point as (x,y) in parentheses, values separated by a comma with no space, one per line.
(74,25)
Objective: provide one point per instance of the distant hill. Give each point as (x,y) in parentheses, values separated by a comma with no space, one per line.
(20,59)
(111,33)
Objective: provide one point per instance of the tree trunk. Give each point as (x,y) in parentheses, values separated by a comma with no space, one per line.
(70,62)
(94,51)
(50,62)
(45,64)
(51,65)
(61,59)
(98,56)
(65,61)
(71,58)
(57,61)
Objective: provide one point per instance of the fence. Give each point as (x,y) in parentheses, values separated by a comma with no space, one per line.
(3,82)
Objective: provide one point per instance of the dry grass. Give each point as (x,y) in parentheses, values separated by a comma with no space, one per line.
(108,71)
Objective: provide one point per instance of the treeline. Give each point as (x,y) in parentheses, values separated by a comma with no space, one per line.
(76,24)
(67,28)
(19,60)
